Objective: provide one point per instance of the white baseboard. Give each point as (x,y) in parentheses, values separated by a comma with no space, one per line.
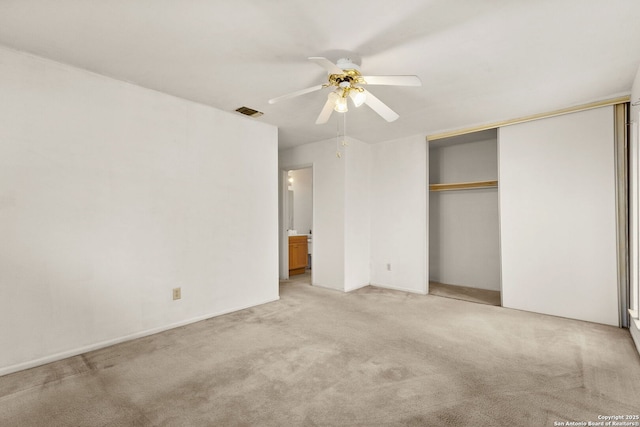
(357,287)
(96,346)
(319,285)
(398,288)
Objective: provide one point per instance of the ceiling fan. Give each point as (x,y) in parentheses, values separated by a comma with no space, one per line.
(347,82)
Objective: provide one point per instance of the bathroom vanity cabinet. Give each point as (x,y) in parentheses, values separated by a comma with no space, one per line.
(298,252)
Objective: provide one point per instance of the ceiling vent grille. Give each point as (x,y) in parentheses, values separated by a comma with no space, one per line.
(249,112)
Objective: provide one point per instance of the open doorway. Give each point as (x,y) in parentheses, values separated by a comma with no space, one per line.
(298,224)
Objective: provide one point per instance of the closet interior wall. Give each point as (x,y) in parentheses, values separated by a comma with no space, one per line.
(464,246)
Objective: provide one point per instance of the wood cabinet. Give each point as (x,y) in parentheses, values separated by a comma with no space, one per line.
(297,254)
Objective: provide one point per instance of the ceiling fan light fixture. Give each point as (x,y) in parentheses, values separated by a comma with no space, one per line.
(341,105)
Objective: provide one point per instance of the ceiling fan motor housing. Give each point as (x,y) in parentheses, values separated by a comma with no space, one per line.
(347,64)
(351,74)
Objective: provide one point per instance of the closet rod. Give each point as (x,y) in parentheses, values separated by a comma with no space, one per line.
(463,185)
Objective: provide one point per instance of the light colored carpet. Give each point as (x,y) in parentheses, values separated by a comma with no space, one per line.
(465,293)
(319,357)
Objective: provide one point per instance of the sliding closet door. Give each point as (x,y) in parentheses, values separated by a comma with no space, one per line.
(558,216)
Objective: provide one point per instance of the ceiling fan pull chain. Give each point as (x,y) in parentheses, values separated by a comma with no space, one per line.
(338,153)
(344,131)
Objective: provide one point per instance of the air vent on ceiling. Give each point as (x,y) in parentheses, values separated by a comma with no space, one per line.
(249,112)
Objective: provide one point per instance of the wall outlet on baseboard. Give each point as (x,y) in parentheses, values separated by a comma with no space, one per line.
(388,267)
(177,293)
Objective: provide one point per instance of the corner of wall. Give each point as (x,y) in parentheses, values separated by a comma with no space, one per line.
(399,203)
(328,208)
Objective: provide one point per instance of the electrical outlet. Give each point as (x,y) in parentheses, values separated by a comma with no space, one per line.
(388,267)
(177,293)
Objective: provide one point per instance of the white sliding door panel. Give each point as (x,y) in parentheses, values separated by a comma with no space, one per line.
(557,214)
(634,180)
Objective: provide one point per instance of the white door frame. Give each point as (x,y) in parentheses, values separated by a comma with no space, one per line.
(283,185)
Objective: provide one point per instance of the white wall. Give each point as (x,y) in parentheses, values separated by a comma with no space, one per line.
(302,187)
(357,158)
(110,196)
(399,206)
(469,161)
(328,208)
(557,207)
(464,246)
(370,210)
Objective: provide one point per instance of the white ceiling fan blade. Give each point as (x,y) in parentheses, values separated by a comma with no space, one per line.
(296,93)
(380,107)
(393,80)
(357,97)
(327,65)
(327,109)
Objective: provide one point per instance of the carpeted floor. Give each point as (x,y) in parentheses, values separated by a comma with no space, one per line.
(319,357)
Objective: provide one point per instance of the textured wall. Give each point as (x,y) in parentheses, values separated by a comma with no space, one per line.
(110,196)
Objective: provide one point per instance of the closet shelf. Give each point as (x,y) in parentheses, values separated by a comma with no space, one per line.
(463,185)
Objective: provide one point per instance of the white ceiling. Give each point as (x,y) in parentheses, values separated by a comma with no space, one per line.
(479,61)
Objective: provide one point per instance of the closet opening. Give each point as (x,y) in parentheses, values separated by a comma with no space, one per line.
(464,240)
